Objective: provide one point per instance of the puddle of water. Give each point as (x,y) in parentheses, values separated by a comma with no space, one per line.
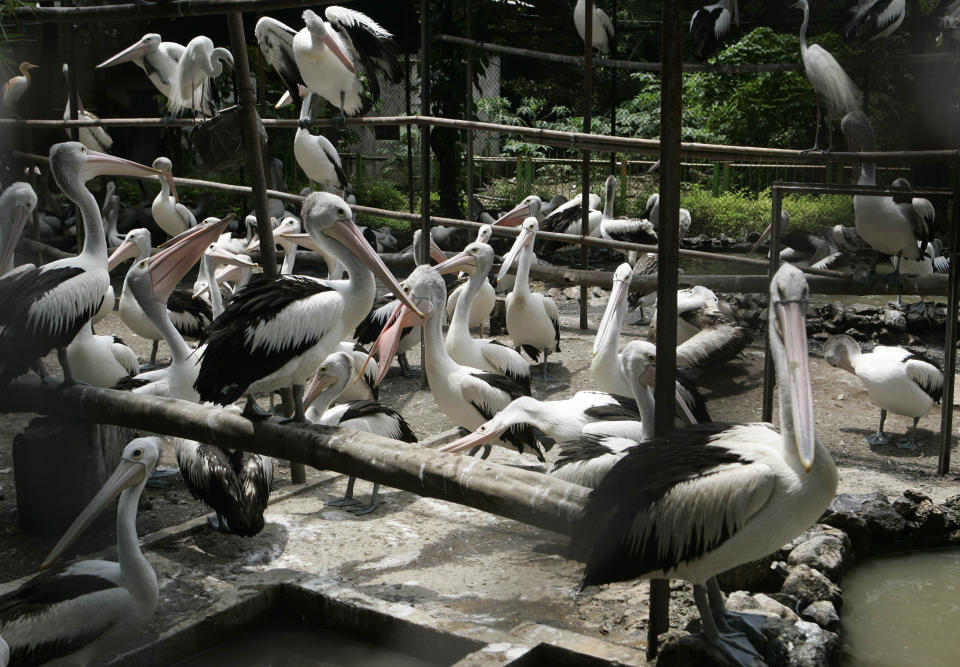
(290,647)
(903,610)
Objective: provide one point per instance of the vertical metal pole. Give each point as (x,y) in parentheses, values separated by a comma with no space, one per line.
(469,105)
(776,195)
(671,103)
(410,188)
(585,170)
(424,155)
(950,350)
(613,83)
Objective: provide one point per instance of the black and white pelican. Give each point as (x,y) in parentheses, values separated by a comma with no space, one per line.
(44,308)
(875,19)
(467,396)
(631,230)
(709,27)
(885,225)
(896,380)
(100,360)
(601,24)
(337,373)
(170,215)
(16,86)
(799,248)
(276,332)
(713,496)
(484,353)
(707,334)
(93,137)
(189,314)
(533,205)
(316,156)
(17,202)
(191,80)
(323,56)
(652,213)
(486,296)
(533,320)
(83,613)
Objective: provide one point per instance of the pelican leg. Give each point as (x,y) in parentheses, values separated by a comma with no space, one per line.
(751,625)
(41,370)
(732,644)
(341,120)
(254,412)
(547,378)
(68,379)
(218,522)
(894,278)
(405,369)
(486,451)
(372,505)
(298,409)
(347,498)
(910,442)
(879,438)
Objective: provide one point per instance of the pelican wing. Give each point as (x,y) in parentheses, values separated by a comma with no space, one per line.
(695,494)
(490,393)
(605,22)
(370,43)
(125,356)
(926,376)
(276,44)
(551,307)
(190,314)
(712,345)
(631,230)
(508,361)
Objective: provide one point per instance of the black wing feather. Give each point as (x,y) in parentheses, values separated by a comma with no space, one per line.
(184,302)
(521,435)
(364,408)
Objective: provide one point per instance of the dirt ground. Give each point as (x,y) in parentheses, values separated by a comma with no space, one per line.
(844,416)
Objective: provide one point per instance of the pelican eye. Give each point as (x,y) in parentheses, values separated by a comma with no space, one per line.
(323,369)
(144,263)
(481,429)
(651,358)
(137,453)
(340,211)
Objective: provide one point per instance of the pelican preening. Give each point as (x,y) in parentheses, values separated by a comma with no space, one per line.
(828,79)
(875,19)
(198,64)
(323,56)
(709,27)
(94,137)
(16,86)
(17,203)
(84,612)
(896,380)
(602,26)
(714,496)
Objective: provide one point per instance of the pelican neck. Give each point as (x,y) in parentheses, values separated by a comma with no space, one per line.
(138,577)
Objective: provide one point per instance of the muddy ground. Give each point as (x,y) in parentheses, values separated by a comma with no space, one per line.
(843,413)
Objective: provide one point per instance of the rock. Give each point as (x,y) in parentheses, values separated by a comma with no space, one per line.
(809,585)
(812,531)
(753,576)
(951,512)
(758,603)
(884,522)
(894,320)
(852,503)
(681,649)
(853,525)
(801,644)
(823,613)
(824,552)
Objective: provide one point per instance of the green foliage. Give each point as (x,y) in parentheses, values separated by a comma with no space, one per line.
(378,193)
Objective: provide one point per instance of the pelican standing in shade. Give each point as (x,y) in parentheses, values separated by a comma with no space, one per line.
(44,308)
(533,320)
(630,230)
(652,213)
(713,496)
(896,380)
(485,354)
(277,331)
(338,371)
(83,613)
(170,215)
(828,79)
(486,296)
(17,203)
(16,86)
(316,156)
(323,56)
(709,27)
(601,25)
(100,361)
(191,78)
(467,396)
(875,19)
(94,137)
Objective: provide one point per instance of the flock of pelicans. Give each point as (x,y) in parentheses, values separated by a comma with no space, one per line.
(691,505)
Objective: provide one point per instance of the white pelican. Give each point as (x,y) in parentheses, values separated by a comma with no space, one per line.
(707,335)
(875,19)
(486,296)
(170,215)
(652,213)
(208,277)
(190,315)
(316,156)
(16,205)
(827,78)
(533,205)
(533,320)
(323,56)
(709,27)
(896,380)
(276,331)
(16,86)
(191,78)
(713,496)
(84,612)
(110,212)
(631,230)
(93,137)
(601,25)
(338,371)
(485,354)
(288,227)
(467,396)
(101,361)
(44,308)
(567,219)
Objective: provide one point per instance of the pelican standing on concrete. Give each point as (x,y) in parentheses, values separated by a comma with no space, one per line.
(84,612)
(713,496)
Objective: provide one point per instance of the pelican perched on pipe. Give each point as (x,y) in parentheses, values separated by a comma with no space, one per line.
(485,354)
(17,203)
(338,371)
(486,296)
(316,156)
(602,27)
(277,331)
(191,79)
(713,496)
(533,320)
(81,614)
(44,308)
(170,215)
(323,56)
(896,380)
(16,86)
(93,137)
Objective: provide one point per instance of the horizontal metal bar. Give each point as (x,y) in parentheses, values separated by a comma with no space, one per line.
(178,9)
(876,190)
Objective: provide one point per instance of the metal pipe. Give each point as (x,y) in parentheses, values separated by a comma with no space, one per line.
(469,106)
(424,154)
(585,167)
(950,335)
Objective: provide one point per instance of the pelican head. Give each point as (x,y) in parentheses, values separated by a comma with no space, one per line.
(788,344)
(147,44)
(136,463)
(858,130)
(528,231)
(16,204)
(529,206)
(512,415)
(476,257)
(318,30)
(331,379)
(784,223)
(136,245)
(618,292)
(165,167)
(840,351)
(73,164)
(484,233)
(639,362)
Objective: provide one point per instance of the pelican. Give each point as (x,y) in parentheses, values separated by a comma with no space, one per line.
(100,361)
(896,380)
(875,19)
(16,86)
(276,331)
(94,137)
(110,212)
(827,78)
(44,308)
(191,78)
(533,320)
(624,229)
(799,248)
(170,215)
(84,612)
(17,203)
(601,25)
(568,218)
(190,315)
(316,156)
(323,56)
(709,27)
(706,333)
(486,296)
(652,213)
(467,396)
(284,235)
(338,371)
(485,354)
(884,225)
(713,496)
(212,257)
